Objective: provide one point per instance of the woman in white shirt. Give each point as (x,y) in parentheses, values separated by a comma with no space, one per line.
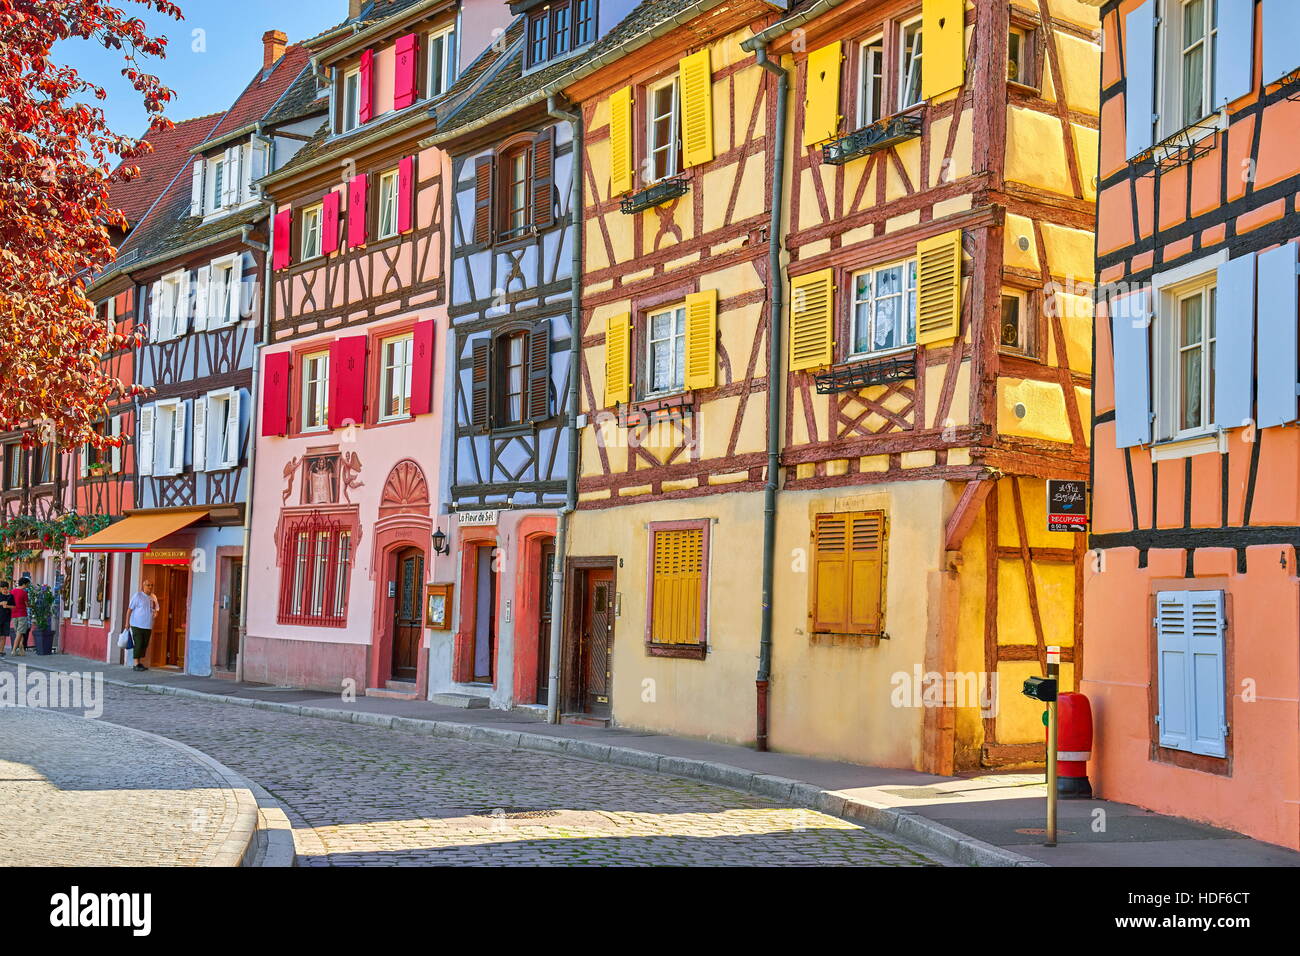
(142,608)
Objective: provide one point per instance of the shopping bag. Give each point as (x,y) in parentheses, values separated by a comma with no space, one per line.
(124,639)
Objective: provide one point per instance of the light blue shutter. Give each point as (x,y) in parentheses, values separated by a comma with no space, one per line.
(1130,339)
(1172,669)
(1139,77)
(1276,348)
(1234,51)
(1234,350)
(1206,685)
(1281,28)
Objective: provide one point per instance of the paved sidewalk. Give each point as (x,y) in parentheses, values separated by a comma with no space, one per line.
(977,819)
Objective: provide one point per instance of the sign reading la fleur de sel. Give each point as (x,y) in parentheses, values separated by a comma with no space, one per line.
(477,517)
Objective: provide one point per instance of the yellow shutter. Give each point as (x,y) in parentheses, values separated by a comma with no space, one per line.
(676,587)
(696,78)
(866,571)
(830,611)
(821,120)
(620,142)
(701,338)
(849,551)
(812,338)
(943,35)
(618,384)
(938,288)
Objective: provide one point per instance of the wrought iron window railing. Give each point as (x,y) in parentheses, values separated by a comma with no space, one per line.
(660,192)
(1180,149)
(855,375)
(886,132)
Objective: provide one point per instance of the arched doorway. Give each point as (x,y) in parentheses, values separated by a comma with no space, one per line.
(397,661)
(409,575)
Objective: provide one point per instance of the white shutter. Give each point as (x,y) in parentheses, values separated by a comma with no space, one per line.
(117,451)
(180,431)
(236,289)
(246,171)
(229,177)
(155,312)
(231,452)
(201,298)
(85,459)
(200,433)
(258,165)
(196,189)
(144,441)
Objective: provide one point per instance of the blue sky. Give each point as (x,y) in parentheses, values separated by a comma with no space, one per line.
(211,54)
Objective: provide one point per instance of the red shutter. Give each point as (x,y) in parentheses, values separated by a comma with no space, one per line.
(483,177)
(422,368)
(357,211)
(275,394)
(367,108)
(280,239)
(405,194)
(347,391)
(406,88)
(329,236)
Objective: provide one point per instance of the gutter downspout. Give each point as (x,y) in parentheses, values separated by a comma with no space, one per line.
(575,356)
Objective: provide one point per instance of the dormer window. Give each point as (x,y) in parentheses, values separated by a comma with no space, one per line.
(442,61)
(559,28)
(351,118)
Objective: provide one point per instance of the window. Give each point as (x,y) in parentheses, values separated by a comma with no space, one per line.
(661,131)
(511,352)
(1189,34)
(395,377)
(43,471)
(315,391)
(218,183)
(539,42)
(909,65)
(1018,56)
(316,567)
(884,308)
(1184,356)
(224,306)
(559,28)
(677,617)
(351,118)
(387,205)
(514,185)
(1190,630)
(584,22)
(871,105)
(81,590)
(666,350)
(442,61)
(222,438)
(169,432)
(169,306)
(1014,330)
(310,230)
(510,380)
(848,580)
(13,466)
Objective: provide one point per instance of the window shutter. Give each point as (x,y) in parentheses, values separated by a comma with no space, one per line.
(230,183)
(618,371)
(943,63)
(202,297)
(867,537)
(422,367)
(329,223)
(347,381)
(357,225)
(243,291)
(1208,707)
(483,180)
(822,94)
(1131,343)
(701,339)
(1276,355)
(830,612)
(1173,669)
(367,105)
(180,306)
(405,194)
(812,339)
(196,188)
(157,331)
(144,442)
(621,173)
(695,77)
(180,431)
(1234,51)
(677,586)
(1139,77)
(938,288)
(200,433)
(280,238)
(1281,38)
(406,88)
(275,394)
(116,452)
(1234,354)
(544,178)
(85,460)
(479,403)
(259,163)
(539,371)
(234,410)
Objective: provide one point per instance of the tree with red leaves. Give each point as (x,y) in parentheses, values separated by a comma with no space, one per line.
(57,157)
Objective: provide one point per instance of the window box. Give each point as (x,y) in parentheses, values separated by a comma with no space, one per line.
(655,195)
(889,131)
(856,375)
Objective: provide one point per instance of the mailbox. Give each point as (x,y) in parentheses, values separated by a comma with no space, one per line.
(1040,688)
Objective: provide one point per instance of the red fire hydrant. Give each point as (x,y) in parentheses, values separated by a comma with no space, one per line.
(1074,745)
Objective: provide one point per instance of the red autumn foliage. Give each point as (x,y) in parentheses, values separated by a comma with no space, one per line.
(57,159)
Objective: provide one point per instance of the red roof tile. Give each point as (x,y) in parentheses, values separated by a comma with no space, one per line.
(260,95)
(171,152)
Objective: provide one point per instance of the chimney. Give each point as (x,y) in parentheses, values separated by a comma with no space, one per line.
(273,42)
(354,8)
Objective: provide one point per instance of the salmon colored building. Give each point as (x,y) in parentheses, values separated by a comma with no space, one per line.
(1191,591)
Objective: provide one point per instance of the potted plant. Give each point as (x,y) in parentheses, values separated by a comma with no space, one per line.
(40,602)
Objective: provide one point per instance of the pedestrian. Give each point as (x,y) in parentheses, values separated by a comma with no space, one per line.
(21,617)
(6,614)
(142,608)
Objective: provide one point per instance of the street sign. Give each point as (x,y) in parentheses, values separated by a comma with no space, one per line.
(1067,505)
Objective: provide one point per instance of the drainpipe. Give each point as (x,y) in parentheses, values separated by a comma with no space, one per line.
(774,366)
(575,356)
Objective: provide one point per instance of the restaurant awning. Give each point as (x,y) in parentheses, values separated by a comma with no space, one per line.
(138,532)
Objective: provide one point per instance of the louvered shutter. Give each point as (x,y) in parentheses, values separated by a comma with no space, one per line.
(701,339)
(867,536)
(275,394)
(1234,51)
(234,416)
(144,441)
(822,94)
(943,65)
(422,358)
(280,239)
(200,433)
(938,288)
(1139,77)
(84,470)
(830,610)
(1130,338)
(618,371)
(1281,29)
(180,305)
(406,194)
(1208,705)
(230,184)
(812,338)
(479,397)
(1173,669)
(243,291)
(196,188)
(202,297)
(544,178)
(259,165)
(180,432)
(621,174)
(677,586)
(116,453)
(157,331)
(539,371)
(366,109)
(329,223)
(483,182)
(358,228)
(347,381)
(406,85)
(1276,342)
(1234,349)
(695,77)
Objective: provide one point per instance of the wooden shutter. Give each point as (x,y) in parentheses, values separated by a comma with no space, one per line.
(422,367)
(196,187)
(406,194)
(943,63)
(1234,51)
(144,443)
(621,174)
(822,94)
(1130,341)
(1281,38)
(539,371)
(329,222)
(677,586)
(1234,354)
(849,572)
(358,230)
(483,181)
(202,297)
(280,233)
(230,454)
(180,432)
(156,329)
(812,338)
(366,110)
(406,88)
(695,77)
(830,612)
(480,381)
(116,453)
(867,535)
(938,288)
(347,381)
(200,437)
(275,394)
(701,339)
(1277,345)
(618,371)
(84,469)
(1190,671)
(1139,77)
(544,178)
(1172,669)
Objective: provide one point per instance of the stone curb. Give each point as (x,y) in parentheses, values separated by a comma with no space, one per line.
(901,822)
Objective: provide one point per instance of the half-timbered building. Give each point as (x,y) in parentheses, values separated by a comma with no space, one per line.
(1191,615)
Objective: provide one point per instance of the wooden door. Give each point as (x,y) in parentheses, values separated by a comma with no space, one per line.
(485,620)
(544,618)
(232,610)
(177,586)
(596,643)
(406,613)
